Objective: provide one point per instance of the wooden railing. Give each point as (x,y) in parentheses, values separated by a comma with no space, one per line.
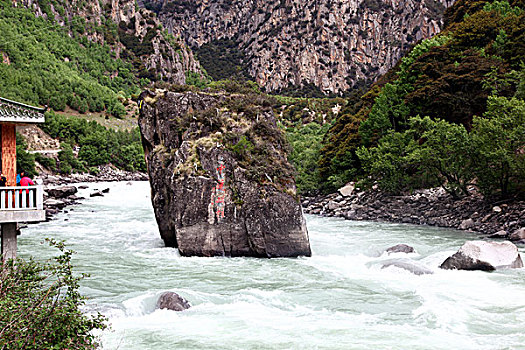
(21,198)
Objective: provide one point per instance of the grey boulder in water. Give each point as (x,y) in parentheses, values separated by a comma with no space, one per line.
(62,192)
(485,256)
(400,248)
(172,301)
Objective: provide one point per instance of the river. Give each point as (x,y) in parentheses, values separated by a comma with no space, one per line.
(340,298)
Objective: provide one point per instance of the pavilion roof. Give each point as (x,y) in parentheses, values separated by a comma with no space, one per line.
(16,112)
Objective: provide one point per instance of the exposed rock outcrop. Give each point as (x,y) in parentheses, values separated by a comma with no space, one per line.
(485,256)
(328,44)
(138,35)
(221,182)
(172,301)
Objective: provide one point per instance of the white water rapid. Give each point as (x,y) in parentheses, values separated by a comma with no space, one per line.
(340,298)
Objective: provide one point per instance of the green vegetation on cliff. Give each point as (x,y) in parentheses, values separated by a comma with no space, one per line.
(97,144)
(42,64)
(451,113)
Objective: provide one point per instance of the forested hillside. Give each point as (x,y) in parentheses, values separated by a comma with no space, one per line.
(313,47)
(88,56)
(451,113)
(42,65)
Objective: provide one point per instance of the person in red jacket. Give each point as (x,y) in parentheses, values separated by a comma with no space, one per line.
(24,182)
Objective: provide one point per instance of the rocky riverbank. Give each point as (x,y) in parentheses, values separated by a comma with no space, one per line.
(434,207)
(107,173)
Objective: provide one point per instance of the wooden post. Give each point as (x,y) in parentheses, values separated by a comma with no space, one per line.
(8,241)
(9,153)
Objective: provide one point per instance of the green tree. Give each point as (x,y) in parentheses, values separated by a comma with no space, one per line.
(499,146)
(388,163)
(306,143)
(67,160)
(429,152)
(389,112)
(444,152)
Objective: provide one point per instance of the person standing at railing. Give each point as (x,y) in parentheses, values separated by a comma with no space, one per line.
(24,182)
(19,177)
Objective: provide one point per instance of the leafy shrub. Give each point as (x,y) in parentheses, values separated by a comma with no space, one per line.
(46,162)
(67,160)
(498,143)
(40,305)
(195,79)
(243,147)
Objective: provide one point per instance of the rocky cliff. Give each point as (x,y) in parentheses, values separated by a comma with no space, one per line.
(221,183)
(332,44)
(133,33)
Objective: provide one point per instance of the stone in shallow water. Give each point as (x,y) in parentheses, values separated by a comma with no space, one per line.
(467,224)
(518,235)
(62,192)
(485,256)
(172,301)
(400,248)
(499,234)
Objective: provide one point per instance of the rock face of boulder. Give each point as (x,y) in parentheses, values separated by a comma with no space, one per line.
(485,256)
(172,301)
(221,183)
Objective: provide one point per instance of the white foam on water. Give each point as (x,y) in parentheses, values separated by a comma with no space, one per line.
(340,298)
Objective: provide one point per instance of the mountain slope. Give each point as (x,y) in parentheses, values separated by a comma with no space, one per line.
(463,76)
(329,44)
(85,55)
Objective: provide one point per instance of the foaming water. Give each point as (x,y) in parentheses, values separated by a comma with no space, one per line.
(340,298)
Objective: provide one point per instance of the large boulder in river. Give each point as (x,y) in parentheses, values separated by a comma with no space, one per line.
(483,255)
(172,301)
(220,180)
